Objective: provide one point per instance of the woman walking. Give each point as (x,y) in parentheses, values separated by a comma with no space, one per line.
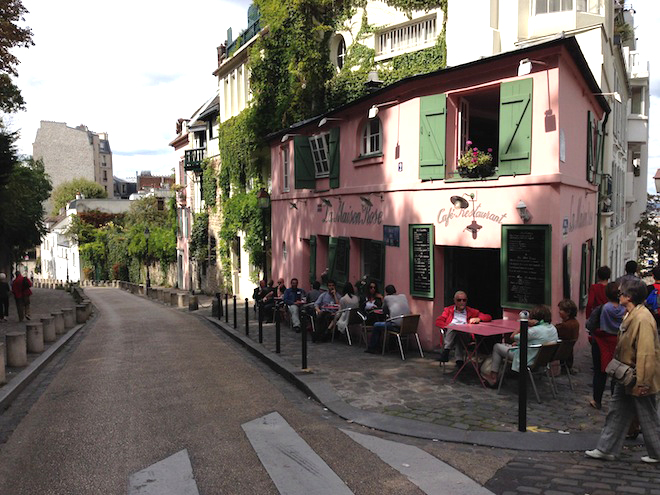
(638,347)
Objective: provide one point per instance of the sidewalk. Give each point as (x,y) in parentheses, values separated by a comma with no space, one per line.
(417,397)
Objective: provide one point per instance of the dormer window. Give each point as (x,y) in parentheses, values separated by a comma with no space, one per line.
(371,137)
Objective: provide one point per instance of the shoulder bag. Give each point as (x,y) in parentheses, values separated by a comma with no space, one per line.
(621,372)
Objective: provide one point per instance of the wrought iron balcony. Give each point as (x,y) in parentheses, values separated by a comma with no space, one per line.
(252,30)
(193,159)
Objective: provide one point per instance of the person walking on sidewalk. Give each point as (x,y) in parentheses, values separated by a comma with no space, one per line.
(639,348)
(21,289)
(4,297)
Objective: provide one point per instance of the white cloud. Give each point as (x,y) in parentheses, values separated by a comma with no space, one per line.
(129,68)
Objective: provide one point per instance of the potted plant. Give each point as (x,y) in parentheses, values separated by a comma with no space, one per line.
(474,163)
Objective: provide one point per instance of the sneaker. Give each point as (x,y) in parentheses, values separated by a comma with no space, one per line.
(597,454)
(444,356)
(650,460)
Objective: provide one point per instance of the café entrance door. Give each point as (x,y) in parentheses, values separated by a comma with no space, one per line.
(477,272)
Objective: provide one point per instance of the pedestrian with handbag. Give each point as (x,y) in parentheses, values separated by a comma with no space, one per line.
(636,369)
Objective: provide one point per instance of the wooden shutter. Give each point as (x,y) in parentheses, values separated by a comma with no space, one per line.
(332,254)
(432,136)
(377,262)
(303,164)
(515,152)
(341,262)
(590,148)
(333,157)
(312,259)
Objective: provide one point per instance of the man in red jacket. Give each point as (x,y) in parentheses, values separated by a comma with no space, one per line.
(457,313)
(21,289)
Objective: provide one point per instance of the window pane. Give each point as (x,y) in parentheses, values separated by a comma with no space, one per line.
(566,5)
(553,5)
(541,6)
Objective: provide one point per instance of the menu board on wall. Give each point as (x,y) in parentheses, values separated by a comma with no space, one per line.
(525,265)
(421,238)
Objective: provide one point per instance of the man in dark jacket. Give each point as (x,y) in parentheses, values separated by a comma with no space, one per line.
(21,289)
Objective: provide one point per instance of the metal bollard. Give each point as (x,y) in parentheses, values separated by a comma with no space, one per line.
(522,374)
(247,317)
(226,307)
(303,333)
(235,323)
(277,332)
(218,296)
(261,322)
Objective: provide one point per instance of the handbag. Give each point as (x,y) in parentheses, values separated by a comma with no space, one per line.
(593,323)
(621,372)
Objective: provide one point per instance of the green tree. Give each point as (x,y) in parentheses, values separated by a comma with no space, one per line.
(12,35)
(649,231)
(67,191)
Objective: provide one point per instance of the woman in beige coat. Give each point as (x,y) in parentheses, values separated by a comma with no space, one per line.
(639,347)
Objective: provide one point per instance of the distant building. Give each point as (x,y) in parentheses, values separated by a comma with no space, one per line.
(145,181)
(74,152)
(123,188)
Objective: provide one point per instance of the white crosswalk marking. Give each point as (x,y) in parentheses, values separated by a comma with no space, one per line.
(171,476)
(291,463)
(431,475)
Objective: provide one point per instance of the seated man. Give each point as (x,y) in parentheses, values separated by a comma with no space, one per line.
(394,305)
(326,306)
(268,301)
(316,291)
(458,313)
(294,297)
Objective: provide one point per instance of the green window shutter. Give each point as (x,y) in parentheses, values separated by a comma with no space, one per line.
(312,259)
(332,255)
(377,262)
(515,152)
(334,157)
(303,164)
(341,262)
(432,136)
(590,148)
(583,276)
(600,147)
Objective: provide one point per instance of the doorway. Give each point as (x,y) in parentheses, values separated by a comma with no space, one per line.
(477,272)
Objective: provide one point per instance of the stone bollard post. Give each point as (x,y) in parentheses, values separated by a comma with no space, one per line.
(183,300)
(88,308)
(3,375)
(174,299)
(35,336)
(141,289)
(48,323)
(59,322)
(81,313)
(69,318)
(16,349)
(193,305)
(214,308)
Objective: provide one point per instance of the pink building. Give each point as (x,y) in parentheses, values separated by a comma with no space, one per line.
(373,188)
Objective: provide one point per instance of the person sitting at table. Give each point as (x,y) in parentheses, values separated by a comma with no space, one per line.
(540,331)
(314,294)
(326,306)
(370,302)
(267,295)
(394,306)
(457,313)
(348,301)
(569,328)
(295,297)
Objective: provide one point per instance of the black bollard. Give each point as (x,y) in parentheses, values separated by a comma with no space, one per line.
(226,307)
(261,322)
(235,323)
(247,317)
(218,296)
(303,333)
(277,331)
(522,373)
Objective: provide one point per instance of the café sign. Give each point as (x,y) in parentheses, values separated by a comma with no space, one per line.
(367,215)
(447,215)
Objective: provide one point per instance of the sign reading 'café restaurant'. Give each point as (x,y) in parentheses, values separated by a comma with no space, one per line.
(447,215)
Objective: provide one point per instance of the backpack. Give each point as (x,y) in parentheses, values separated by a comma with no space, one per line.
(26,283)
(653,300)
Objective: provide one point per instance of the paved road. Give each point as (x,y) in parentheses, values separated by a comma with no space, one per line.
(143,383)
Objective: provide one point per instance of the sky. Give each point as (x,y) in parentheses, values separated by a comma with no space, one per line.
(132,68)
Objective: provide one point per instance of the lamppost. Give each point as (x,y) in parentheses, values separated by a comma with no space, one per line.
(263,200)
(146,236)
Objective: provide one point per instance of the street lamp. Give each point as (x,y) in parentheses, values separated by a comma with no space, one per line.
(263,201)
(146,236)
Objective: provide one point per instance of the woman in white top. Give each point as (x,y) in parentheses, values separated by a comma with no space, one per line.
(348,301)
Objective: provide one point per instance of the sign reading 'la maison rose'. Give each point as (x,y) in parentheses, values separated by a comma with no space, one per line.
(447,215)
(368,215)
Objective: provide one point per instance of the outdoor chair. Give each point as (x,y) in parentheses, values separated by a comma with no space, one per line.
(564,351)
(408,326)
(354,318)
(540,365)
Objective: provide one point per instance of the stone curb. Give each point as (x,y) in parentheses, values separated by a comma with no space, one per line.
(9,391)
(321,391)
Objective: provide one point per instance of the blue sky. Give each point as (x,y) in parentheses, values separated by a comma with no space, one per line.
(132,68)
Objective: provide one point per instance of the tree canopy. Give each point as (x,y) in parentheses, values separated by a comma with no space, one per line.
(11,36)
(649,231)
(67,191)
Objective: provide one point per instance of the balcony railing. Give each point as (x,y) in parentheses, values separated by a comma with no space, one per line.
(407,37)
(194,158)
(244,37)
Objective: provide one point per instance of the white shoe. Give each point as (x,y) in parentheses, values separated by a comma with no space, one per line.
(597,454)
(650,460)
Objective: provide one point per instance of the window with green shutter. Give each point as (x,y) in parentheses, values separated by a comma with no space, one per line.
(312,259)
(515,143)
(303,164)
(338,260)
(373,261)
(334,157)
(432,136)
(595,144)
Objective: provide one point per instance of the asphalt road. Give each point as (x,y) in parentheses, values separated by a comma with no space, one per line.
(145,382)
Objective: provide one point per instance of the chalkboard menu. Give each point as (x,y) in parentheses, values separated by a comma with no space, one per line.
(421,238)
(525,265)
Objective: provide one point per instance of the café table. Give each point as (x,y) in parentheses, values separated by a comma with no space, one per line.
(483,329)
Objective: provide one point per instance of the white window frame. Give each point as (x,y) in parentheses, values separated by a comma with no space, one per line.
(319,146)
(341,52)
(285,169)
(372,142)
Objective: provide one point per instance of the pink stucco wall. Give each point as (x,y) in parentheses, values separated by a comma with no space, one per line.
(554,191)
